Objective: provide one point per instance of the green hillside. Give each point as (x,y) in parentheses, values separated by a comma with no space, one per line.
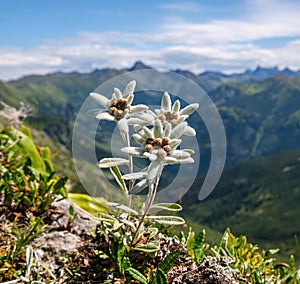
(261,118)
(259,198)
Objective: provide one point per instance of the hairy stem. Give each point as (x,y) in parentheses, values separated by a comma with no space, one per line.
(148,203)
(130,166)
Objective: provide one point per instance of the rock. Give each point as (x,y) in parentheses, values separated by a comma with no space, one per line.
(63,236)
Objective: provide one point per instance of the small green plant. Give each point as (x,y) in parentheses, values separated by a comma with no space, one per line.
(253,265)
(28,186)
(158,135)
(27,180)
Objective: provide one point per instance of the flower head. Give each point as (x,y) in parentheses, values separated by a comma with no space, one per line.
(171,116)
(119,105)
(160,148)
(118,108)
(159,145)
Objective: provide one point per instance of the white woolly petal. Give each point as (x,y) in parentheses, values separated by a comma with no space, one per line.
(188,110)
(104,116)
(136,121)
(150,156)
(138,129)
(176,106)
(147,115)
(158,129)
(167,131)
(178,130)
(117,94)
(138,108)
(130,99)
(189,160)
(129,89)
(189,131)
(170,160)
(138,138)
(135,151)
(166,103)
(102,100)
(182,118)
(147,132)
(180,154)
(174,143)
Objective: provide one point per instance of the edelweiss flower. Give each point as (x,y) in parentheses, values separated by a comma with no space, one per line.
(160,149)
(119,106)
(157,145)
(170,115)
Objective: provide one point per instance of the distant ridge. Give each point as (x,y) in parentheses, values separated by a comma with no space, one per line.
(139,65)
(260,73)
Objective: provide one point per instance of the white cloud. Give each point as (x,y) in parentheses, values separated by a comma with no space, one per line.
(218,44)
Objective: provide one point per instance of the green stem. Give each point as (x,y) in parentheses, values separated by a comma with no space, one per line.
(130,166)
(148,203)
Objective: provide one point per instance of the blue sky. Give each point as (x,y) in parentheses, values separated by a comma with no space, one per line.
(38,37)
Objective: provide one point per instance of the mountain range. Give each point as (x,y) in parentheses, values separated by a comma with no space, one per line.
(258,193)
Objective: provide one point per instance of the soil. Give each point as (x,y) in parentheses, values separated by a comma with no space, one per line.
(70,249)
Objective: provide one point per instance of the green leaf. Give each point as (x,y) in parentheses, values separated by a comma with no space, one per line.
(63,192)
(112,162)
(105,217)
(127,240)
(189,240)
(154,172)
(135,274)
(137,175)
(46,155)
(199,240)
(60,183)
(27,201)
(88,203)
(168,261)
(160,277)
(152,231)
(127,222)
(71,210)
(167,206)
(139,187)
(167,220)
(148,248)
(120,257)
(123,208)
(118,177)
(27,146)
(29,254)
